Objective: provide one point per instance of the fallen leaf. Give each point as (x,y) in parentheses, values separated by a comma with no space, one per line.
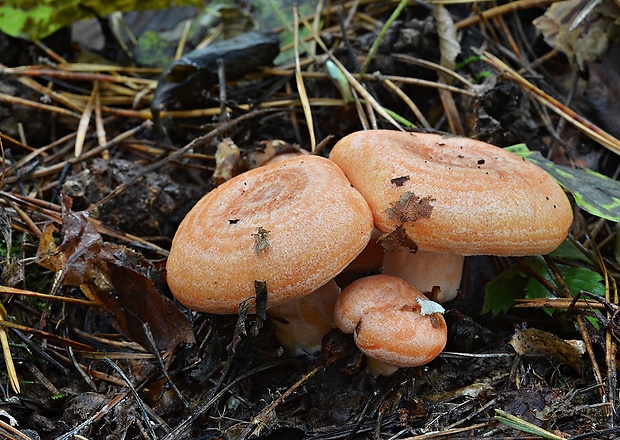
(227,161)
(449,46)
(593,192)
(587,41)
(188,80)
(121,280)
(534,342)
(410,208)
(398,237)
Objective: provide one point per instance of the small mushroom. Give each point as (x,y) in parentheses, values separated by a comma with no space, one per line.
(392,322)
(369,260)
(437,199)
(290,226)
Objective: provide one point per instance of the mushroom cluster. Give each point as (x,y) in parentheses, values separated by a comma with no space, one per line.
(281,233)
(437,199)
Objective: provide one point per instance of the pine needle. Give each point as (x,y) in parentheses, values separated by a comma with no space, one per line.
(6,351)
(303,96)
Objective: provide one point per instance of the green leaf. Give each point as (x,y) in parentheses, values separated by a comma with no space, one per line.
(593,192)
(576,279)
(523,426)
(514,283)
(617,244)
(499,294)
(34,20)
(569,251)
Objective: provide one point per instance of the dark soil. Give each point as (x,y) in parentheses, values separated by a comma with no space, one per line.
(128,361)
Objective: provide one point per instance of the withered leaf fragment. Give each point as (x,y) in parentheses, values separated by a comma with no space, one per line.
(260,237)
(399,181)
(589,39)
(261,298)
(410,208)
(398,237)
(538,343)
(186,81)
(227,161)
(119,279)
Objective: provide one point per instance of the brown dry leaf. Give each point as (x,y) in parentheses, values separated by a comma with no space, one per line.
(588,41)
(398,237)
(534,342)
(449,45)
(116,277)
(410,208)
(227,161)
(47,251)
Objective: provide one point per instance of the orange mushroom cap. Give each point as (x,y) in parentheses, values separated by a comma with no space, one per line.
(455,195)
(384,313)
(293,225)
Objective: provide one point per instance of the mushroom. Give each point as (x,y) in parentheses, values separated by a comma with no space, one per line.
(392,322)
(369,260)
(438,199)
(289,227)
(301,323)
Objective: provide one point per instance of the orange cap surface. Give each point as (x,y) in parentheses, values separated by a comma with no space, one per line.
(455,195)
(293,224)
(384,315)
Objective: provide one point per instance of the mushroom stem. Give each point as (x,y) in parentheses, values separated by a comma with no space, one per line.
(377,367)
(425,270)
(302,323)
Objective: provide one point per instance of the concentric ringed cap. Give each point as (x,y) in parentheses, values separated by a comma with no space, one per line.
(455,195)
(293,224)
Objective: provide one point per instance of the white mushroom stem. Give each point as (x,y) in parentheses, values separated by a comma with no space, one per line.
(302,323)
(377,367)
(425,270)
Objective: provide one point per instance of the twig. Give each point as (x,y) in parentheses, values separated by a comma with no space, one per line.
(182,427)
(449,432)
(136,396)
(193,144)
(267,414)
(586,127)
(501,10)
(301,88)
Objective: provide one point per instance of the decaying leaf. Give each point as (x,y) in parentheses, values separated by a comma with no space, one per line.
(37,19)
(227,161)
(398,237)
(589,40)
(534,342)
(261,298)
(188,80)
(410,208)
(260,238)
(449,45)
(119,279)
